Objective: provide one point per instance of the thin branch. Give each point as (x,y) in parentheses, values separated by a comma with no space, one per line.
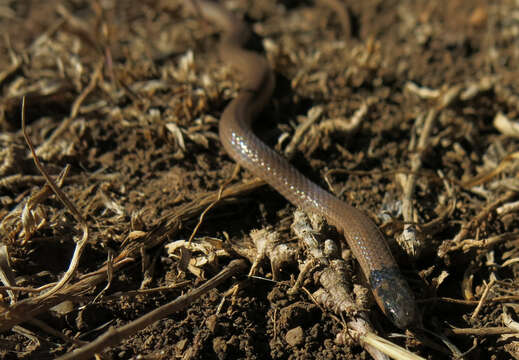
(81,244)
(115,336)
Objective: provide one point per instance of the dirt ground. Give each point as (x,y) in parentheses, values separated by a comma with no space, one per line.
(404,109)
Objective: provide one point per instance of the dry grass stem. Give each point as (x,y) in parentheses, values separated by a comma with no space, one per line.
(81,244)
(408,241)
(114,336)
(130,93)
(167,226)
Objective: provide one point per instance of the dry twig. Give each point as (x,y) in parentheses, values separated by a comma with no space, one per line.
(81,244)
(115,336)
(167,226)
(408,239)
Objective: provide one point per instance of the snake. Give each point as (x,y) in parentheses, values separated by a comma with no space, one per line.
(390,289)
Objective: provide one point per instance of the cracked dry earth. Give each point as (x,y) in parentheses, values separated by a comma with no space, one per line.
(408,111)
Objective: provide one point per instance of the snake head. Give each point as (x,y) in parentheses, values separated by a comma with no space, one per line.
(394,297)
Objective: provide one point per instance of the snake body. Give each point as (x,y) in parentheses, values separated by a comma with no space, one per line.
(389,288)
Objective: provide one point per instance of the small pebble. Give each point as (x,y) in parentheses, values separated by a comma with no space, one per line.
(294,336)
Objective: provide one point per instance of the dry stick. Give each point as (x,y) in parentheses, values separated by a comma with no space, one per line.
(482,300)
(7,275)
(307,266)
(65,125)
(449,300)
(80,245)
(109,275)
(38,198)
(388,348)
(167,226)
(49,330)
(412,247)
(29,308)
(454,352)
(139,292)
(495,300)
(488,243)
(213,204)
(27,223)
(313,115)
(481,331)
(431,226)
(350,125)
(11,181)
(115,336)
(456,243)
(508,161)
(20,289)
(171,222)
(508,208)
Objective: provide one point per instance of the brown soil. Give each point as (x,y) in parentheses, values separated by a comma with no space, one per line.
(128,93)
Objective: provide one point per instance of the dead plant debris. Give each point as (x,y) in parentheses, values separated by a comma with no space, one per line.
(133,210)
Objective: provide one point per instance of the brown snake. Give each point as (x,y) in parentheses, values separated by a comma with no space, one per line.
(390,289)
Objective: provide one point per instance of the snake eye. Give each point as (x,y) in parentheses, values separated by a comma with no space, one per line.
(394,297)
